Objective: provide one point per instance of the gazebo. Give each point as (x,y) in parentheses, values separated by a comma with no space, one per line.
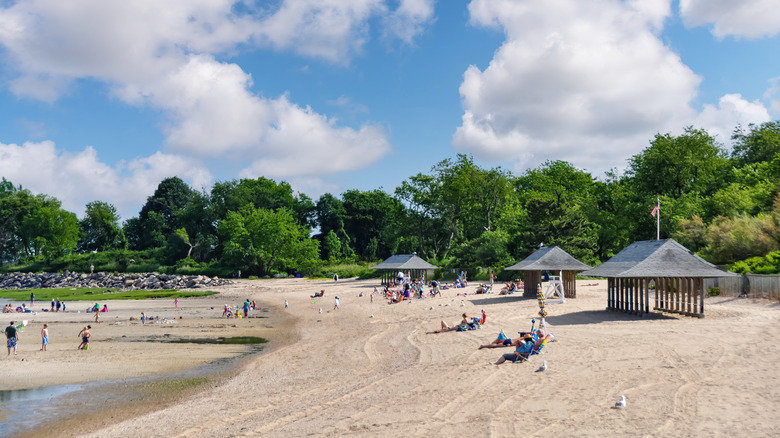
(676,273)
(549,258)
(408,263)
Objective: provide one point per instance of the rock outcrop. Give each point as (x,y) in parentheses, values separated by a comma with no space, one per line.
(19,280)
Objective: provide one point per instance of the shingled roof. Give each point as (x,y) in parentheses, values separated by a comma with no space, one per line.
(656,258)
(403,262)
(549,258)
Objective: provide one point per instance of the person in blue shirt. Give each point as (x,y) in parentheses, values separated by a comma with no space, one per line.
(521,353)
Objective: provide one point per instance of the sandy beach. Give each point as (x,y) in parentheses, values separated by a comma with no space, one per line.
(345,373)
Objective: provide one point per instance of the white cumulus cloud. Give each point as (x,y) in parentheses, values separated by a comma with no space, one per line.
(79,178)
(166,58)
(587,82)
(732,110)
(741,19)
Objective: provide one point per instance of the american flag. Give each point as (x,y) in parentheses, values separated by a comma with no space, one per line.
(655,209)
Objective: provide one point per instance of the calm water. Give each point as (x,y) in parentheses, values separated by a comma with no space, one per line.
(24,409)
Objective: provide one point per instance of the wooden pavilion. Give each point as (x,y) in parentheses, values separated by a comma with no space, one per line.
(675,274)
(549,258)
(407,263)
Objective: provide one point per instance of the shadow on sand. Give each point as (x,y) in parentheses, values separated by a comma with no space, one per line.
(599,316)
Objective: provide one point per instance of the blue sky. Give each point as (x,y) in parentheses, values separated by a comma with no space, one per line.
(102,99)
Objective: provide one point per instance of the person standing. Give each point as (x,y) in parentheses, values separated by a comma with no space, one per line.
(10,334)
(143,318)
(59,304)
(336,305)
(176,302)
(32,299)
(52,305)
(44,337)
(246,307)
(336,278)
(85,335)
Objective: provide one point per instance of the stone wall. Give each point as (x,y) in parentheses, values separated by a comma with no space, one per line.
(152,280)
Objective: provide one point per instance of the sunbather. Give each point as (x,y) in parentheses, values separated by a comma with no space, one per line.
(502,341)
(521,353)
(464,324)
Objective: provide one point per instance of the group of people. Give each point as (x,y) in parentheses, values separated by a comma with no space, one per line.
(56,304)
(235,312)
(407,290)
(8,308)
(527,344)
(12,337)
(511,287)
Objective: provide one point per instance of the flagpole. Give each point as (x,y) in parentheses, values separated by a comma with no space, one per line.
(658,220)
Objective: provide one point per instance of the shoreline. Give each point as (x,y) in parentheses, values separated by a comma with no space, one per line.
(103,398)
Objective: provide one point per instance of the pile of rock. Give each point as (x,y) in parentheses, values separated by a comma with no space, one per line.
(19,280)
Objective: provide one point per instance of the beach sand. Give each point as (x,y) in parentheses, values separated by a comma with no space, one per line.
(344,373)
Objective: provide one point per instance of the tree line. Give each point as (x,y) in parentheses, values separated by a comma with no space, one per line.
(725,205)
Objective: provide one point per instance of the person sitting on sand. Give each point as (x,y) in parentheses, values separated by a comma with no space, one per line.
(521,353)
(464,324)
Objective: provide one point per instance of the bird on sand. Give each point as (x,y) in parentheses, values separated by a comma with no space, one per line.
(543,367)
(622,403)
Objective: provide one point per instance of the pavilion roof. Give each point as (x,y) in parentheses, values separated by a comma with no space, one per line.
(403,262)
(549,258)
(656,258)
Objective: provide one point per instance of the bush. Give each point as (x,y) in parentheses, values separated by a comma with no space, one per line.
(714,291)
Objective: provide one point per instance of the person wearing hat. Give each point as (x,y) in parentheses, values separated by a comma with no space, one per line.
(521,353)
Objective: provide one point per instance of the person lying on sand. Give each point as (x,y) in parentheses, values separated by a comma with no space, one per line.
(521,353)
(464,324)
(501,341)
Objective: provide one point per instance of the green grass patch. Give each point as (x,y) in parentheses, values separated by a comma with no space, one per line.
(96,294)
(174,386)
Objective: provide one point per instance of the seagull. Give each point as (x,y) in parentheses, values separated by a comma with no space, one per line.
(371,316)
(543,367)
(462,304)
(622,403)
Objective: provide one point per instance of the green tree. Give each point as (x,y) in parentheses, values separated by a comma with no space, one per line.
(559,200)
(759,143)
(674,166)
(260,241)
(331,216)
(158,217)
(99,230)
(367,216)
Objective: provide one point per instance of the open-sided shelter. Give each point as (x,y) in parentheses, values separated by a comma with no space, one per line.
(407,263)
(549,258)
(676,273)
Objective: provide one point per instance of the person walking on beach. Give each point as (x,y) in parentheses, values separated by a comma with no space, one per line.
(246,307)
(85,335)
(44,337)
(10,334)
(176,302)
(143,318)
(336,305)
(97,317)
(336,278)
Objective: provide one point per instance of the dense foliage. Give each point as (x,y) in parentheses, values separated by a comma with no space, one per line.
(724,206)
